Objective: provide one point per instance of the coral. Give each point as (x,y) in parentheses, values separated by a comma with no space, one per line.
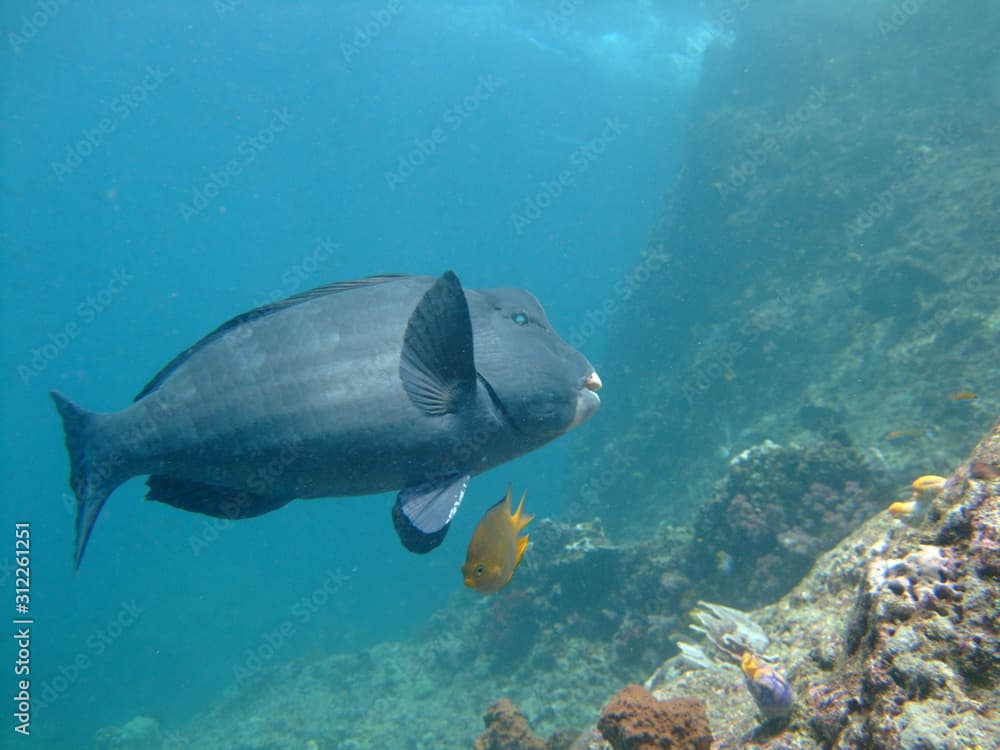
(140,733)
(892,289)
(778,508)
(731,631)
(634,720)
(891,641)
(507,729)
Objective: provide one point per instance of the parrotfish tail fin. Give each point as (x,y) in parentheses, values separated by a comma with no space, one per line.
(94,473)
(519,518)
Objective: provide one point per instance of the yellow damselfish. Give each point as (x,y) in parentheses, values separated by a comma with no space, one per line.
(495,548)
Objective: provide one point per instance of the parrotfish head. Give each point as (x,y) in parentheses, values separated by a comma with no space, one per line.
(545,386)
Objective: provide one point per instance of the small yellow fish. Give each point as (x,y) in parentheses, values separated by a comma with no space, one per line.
(905,508)
(495,548)
(963,396)
(928,483)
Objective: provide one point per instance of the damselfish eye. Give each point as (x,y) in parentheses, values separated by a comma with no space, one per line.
(480,570)
(520,318)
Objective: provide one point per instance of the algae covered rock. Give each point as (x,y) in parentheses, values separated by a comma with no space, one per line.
(139,733)
(890,641)
(635,720)
(507,729)
(776,510)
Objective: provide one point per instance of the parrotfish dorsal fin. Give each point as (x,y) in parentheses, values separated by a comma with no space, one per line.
(256,314)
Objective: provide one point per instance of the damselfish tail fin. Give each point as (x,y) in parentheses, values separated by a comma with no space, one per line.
(95,470)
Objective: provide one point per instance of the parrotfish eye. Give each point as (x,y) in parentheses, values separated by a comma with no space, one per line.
(480,570)
(520,318)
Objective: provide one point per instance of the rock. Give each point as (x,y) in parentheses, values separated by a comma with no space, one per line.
(635,720)
(891,640)
(507,729)
(140,733)
(777,509)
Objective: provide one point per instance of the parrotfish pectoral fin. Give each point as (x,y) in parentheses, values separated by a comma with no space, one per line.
(422,514)
(437,366)
(211,499)
(95,469)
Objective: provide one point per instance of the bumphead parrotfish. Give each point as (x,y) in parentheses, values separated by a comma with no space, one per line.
(387,383)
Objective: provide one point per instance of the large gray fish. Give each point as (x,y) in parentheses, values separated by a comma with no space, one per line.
(387,383)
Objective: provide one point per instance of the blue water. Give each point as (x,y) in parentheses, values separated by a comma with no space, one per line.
(166,166)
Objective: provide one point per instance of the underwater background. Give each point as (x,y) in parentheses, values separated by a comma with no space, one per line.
(761,222)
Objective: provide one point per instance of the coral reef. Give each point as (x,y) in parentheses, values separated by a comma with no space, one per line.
(891,640)
(139,733)
(634,720)
(507,729)
(834,259)
(776,510)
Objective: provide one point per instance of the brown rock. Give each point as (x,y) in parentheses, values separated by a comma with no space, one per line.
(635,720)
(507,729)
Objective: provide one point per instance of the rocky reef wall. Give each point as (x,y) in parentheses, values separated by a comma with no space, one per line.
(833,258)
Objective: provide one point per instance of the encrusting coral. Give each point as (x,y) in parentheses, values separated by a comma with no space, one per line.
(634,720)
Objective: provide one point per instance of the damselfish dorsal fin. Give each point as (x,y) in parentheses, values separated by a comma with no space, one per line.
(437,365)
(519,518)
(261,312)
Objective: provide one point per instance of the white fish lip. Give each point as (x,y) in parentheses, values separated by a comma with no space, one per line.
(587,400)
